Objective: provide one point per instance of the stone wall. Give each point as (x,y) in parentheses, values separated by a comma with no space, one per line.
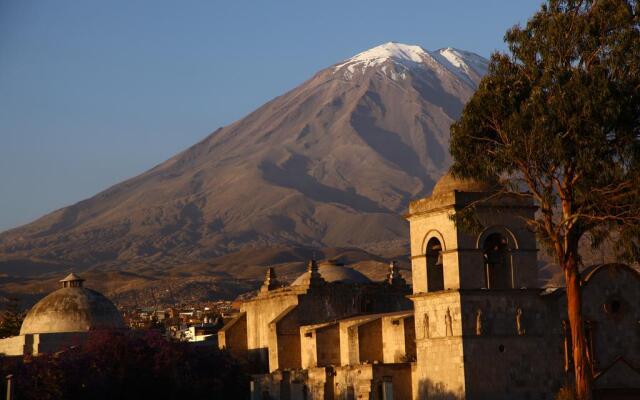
(321,383)
(16,345)
(349,343)
(53,342)
(233,336)
(365,381)
(463,330)
(506,367)
(440,363)
(320,345)
(611,305)
(328,339)
(284,341)
(370,341)
(260,312)
(39,343)
(398,375)
(398,338)
(308,347)
(282,385)
(317,304)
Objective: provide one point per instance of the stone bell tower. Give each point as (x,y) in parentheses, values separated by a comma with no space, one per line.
(476,297)
(445,257)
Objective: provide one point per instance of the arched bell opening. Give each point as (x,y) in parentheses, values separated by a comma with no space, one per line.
(497,262)
(435,271)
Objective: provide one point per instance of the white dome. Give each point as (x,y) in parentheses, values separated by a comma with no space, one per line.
(448,183)
(72,308)
(335,273)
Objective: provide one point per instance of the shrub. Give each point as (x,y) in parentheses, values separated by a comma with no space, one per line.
(128,365)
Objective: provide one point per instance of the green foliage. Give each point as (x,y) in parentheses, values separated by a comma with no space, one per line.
(559,119)
(12,318)
(467,219)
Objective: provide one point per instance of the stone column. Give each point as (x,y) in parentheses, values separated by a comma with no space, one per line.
(9,387)
(254,388)
(387,389)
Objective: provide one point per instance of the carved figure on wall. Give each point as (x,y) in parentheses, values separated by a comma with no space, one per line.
(447,320)
(519,325)
(425,326)
(479,327)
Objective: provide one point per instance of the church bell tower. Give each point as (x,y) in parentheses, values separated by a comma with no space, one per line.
(476,297)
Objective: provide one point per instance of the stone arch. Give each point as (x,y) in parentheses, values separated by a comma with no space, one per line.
(431,234)
(512,240)
(589,272)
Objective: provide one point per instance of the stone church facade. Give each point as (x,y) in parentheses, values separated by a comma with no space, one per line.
(475,325)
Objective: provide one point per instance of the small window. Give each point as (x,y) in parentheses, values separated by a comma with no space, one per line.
(435,272)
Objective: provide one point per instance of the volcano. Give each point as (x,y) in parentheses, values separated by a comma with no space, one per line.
(331,163)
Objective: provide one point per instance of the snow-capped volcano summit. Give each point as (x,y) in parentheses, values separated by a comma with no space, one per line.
(465,65)
(389,51)
(331,163)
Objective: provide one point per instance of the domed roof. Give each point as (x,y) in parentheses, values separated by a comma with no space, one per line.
(449,183)
(332,272)
(72,308)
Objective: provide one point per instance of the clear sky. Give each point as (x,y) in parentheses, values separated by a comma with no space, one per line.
(93,92)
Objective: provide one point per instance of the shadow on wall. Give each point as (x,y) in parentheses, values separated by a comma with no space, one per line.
(258,360)
(427,389)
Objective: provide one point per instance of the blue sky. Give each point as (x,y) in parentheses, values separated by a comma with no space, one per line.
(93,92)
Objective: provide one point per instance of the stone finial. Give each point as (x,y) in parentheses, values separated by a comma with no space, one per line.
(312,265)
(394,277)
(312,277)
(314,274)
(71,280)
(270,281)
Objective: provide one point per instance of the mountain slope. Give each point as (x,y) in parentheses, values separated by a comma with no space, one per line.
(331,163)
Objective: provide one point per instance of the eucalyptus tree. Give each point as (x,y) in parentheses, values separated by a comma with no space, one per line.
(557,119)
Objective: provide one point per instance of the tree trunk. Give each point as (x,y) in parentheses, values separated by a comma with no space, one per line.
(581,361)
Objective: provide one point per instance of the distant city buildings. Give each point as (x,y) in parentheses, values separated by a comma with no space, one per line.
(195,323)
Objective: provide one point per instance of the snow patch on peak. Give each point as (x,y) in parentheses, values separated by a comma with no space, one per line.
(380,54)
(392,50)
(466,66)
(453,56)
(460,62)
